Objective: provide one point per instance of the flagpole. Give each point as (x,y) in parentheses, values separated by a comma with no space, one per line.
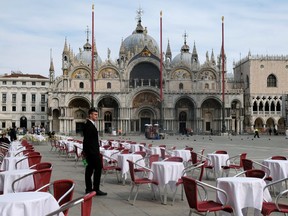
(223,80)
(161,75)
(92,60)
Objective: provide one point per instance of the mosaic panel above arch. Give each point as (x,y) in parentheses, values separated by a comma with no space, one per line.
(181,74)
(108,73)
(80,74)
(145,98)
(207,75)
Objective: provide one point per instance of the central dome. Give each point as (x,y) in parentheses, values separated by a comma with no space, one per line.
(136,42)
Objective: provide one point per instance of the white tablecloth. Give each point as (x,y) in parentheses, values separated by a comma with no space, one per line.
(122,162)
(27,204)
(7,177)
(9,163)
(218,160)
(110,153)
(166,173)
(278,168)
(185,154)
(243,192)
(155,150)
(16,145)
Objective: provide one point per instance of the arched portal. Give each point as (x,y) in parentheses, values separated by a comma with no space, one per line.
(186,114)
(211,115)
(23,122)
(108,114)
(146,116)
(55,120)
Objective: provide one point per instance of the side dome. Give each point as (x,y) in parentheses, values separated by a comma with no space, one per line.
(136,42)
(185,57)
(86,55)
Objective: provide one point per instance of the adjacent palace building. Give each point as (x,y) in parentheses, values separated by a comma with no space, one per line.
(127,91)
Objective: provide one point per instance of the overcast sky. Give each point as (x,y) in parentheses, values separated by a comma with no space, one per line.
(30,28)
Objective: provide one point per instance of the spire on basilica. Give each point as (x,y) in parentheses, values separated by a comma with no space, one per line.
(65,50)
(185,47)
(168,51)
(212,59)
(51,68)
(139,28)
(194,54)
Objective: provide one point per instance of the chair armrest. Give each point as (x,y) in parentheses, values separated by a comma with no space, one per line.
(146,168)
(18,179)
(66,206)
(281,194)
(44,186)
(112,160)
(19,161)
(240,174)
(65,194)
(192,167)
(275,182)
(263,166)
(214,188)
(232,159)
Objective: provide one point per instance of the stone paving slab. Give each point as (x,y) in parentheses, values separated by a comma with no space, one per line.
(116,204)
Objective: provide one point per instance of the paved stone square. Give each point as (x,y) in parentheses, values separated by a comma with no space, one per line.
(116,204)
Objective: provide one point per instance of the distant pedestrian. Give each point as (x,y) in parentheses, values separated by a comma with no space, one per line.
(13,134)
(270,131)
(256,133)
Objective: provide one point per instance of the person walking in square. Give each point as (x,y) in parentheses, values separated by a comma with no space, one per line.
(92,154)
(256,133)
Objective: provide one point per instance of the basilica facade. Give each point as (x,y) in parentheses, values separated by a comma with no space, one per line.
(129,93)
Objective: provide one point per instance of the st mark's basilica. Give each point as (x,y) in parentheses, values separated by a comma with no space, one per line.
(127,91)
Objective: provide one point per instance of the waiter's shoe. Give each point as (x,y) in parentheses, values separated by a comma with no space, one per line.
(100,193)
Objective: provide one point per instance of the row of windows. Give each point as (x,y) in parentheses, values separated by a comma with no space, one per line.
(33,83)
(24,109)
(14,98)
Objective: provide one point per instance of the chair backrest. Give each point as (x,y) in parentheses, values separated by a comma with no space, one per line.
(242,156)
(32,153)
(142,153)
(190,188)
(278,157)
(131,170)
(255,173)
(189,148)
(124,151)
(153,158)
(175,159)
(220,152)
(42,165)
(63,191)
(40,178)
(34,159)
(247,164)
(194,157)
(86,205)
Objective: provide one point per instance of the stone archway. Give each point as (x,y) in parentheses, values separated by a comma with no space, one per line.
(185,114)
(23,122)
(211,115)
(108,115)
(146,116)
